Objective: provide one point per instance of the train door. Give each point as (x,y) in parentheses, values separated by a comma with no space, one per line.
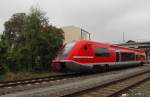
(117,56)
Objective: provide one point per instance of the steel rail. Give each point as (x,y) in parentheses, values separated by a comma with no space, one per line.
(37,80)
(114,88)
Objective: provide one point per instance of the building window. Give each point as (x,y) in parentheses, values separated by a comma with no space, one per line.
(100,51)
(127,56)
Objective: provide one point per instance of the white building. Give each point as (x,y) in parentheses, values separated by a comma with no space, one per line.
(72,33)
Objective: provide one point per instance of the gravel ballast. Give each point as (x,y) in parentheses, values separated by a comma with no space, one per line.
(75,86)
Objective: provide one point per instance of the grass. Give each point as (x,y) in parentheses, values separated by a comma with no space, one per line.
(22,75)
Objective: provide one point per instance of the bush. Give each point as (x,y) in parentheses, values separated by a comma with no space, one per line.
(3,69)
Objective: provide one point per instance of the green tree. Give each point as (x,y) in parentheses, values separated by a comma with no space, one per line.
(3,55)
(42,39)
(13,28)
(32,42)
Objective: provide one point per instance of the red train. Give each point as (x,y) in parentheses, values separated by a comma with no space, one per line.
(86,55)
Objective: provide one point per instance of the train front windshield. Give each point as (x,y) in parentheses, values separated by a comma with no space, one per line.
(66,50)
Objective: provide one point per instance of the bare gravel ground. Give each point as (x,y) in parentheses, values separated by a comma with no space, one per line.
(142,90)
(72,85)
(19,88)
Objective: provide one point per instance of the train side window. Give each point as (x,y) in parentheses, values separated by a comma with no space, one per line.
(100,51)
(127,56)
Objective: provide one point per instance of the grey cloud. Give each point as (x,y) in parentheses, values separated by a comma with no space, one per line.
(107,19)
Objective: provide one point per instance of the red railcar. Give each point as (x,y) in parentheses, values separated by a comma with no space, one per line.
(86,55)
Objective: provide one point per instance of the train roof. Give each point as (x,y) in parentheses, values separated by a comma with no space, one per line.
(110,45)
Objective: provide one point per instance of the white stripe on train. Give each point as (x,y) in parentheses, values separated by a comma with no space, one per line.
(83,57)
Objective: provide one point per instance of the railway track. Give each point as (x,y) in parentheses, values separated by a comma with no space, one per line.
(114,88)
(77,86)
(4,84)
(27,84)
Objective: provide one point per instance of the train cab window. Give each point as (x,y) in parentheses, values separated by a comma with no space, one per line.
(100,51)
(66,49)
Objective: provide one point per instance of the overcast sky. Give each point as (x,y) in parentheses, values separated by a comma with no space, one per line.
(106,19)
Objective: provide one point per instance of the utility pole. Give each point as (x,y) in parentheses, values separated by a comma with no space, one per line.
(82,31)
(123,38)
